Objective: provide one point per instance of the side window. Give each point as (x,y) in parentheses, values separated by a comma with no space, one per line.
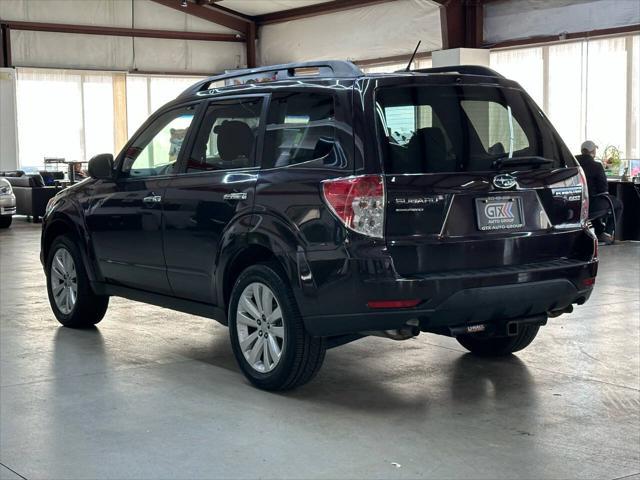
(156,151)
(227,137)
(491,121)
(301,128)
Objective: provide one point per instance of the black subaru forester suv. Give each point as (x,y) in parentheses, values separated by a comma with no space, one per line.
(308,205)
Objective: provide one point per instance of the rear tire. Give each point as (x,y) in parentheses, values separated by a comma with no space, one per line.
(499,346)
(270,343)
(70,295)
(5,221)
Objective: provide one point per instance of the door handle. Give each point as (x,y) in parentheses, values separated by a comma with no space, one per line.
(152,199)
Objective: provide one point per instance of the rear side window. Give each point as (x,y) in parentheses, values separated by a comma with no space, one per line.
(301,130)
(227,138)
(433,129)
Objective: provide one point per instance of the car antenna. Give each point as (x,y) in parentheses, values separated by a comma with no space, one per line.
(413,56)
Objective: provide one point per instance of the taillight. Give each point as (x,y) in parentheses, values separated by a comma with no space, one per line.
(358,202)
(584,209)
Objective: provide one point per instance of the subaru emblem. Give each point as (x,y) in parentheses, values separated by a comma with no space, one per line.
(504,181)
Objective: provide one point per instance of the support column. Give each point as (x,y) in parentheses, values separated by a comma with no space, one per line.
(251,45)
(462,23)
(5,46)
(8,125)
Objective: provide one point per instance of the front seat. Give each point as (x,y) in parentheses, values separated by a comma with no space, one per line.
(235,143)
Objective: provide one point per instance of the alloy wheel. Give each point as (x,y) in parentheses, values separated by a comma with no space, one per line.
(260,327)
(64,280)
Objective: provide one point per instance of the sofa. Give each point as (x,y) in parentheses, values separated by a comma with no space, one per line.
(32,195)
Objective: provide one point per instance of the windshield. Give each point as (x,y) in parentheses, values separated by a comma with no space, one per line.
(431,129)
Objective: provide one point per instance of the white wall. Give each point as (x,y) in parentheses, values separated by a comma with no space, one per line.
(8,131)
(62,50)
(382,30)
(512,19)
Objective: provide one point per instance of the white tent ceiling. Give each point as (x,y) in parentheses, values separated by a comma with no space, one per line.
(260,7)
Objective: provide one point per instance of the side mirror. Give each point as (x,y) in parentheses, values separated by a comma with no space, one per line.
(101,166)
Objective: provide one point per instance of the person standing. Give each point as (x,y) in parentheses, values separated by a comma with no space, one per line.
(597,184)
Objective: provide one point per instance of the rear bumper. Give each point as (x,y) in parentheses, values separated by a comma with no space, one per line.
(454,299)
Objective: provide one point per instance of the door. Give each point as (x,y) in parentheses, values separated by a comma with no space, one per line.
(213,193)
(125,217)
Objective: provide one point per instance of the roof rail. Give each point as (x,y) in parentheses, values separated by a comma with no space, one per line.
(463,70)
(320,69)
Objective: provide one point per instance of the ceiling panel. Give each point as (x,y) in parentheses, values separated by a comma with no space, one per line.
(260,7)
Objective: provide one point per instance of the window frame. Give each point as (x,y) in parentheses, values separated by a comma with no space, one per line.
(120,176)
(193,134)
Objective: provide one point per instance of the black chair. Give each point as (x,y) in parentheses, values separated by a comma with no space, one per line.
(603,214)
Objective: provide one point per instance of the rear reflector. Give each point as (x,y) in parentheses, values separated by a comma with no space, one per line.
(392,303)
(587,282)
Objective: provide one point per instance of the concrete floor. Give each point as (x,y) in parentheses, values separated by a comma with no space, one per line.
(152,393)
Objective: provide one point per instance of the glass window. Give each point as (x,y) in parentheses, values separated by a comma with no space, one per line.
(64,114)
(498,131)
(301,129)
(462,128)
(227,138)
(147,93)
(156,150)
(525,66)
(607,94)
(566,105)
(403,121)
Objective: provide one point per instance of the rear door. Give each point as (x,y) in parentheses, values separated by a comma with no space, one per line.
(213,192)
(475,178)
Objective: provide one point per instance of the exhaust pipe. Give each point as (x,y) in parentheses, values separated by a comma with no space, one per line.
(403,333)
(557,313)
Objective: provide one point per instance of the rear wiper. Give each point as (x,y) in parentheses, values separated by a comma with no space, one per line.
(532,161)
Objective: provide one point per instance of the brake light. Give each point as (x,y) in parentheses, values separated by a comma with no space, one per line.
(358,202)
(584,208)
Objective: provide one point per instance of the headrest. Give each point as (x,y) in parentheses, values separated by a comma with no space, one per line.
(235,139)
(430,136)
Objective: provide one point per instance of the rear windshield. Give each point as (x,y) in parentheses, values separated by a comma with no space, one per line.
(430,129)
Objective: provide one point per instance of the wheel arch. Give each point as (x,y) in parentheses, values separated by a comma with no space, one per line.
(270,239)
(62,225)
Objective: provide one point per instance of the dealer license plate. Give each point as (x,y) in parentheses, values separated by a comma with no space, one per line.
(499,213)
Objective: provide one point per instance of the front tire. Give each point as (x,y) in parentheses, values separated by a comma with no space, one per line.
(5,221)
(270,343)
(499,346)
(73,302)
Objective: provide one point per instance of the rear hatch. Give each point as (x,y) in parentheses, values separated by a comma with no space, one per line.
(475,178)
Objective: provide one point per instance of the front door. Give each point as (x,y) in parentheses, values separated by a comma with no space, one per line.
(125,216)
(213,193)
